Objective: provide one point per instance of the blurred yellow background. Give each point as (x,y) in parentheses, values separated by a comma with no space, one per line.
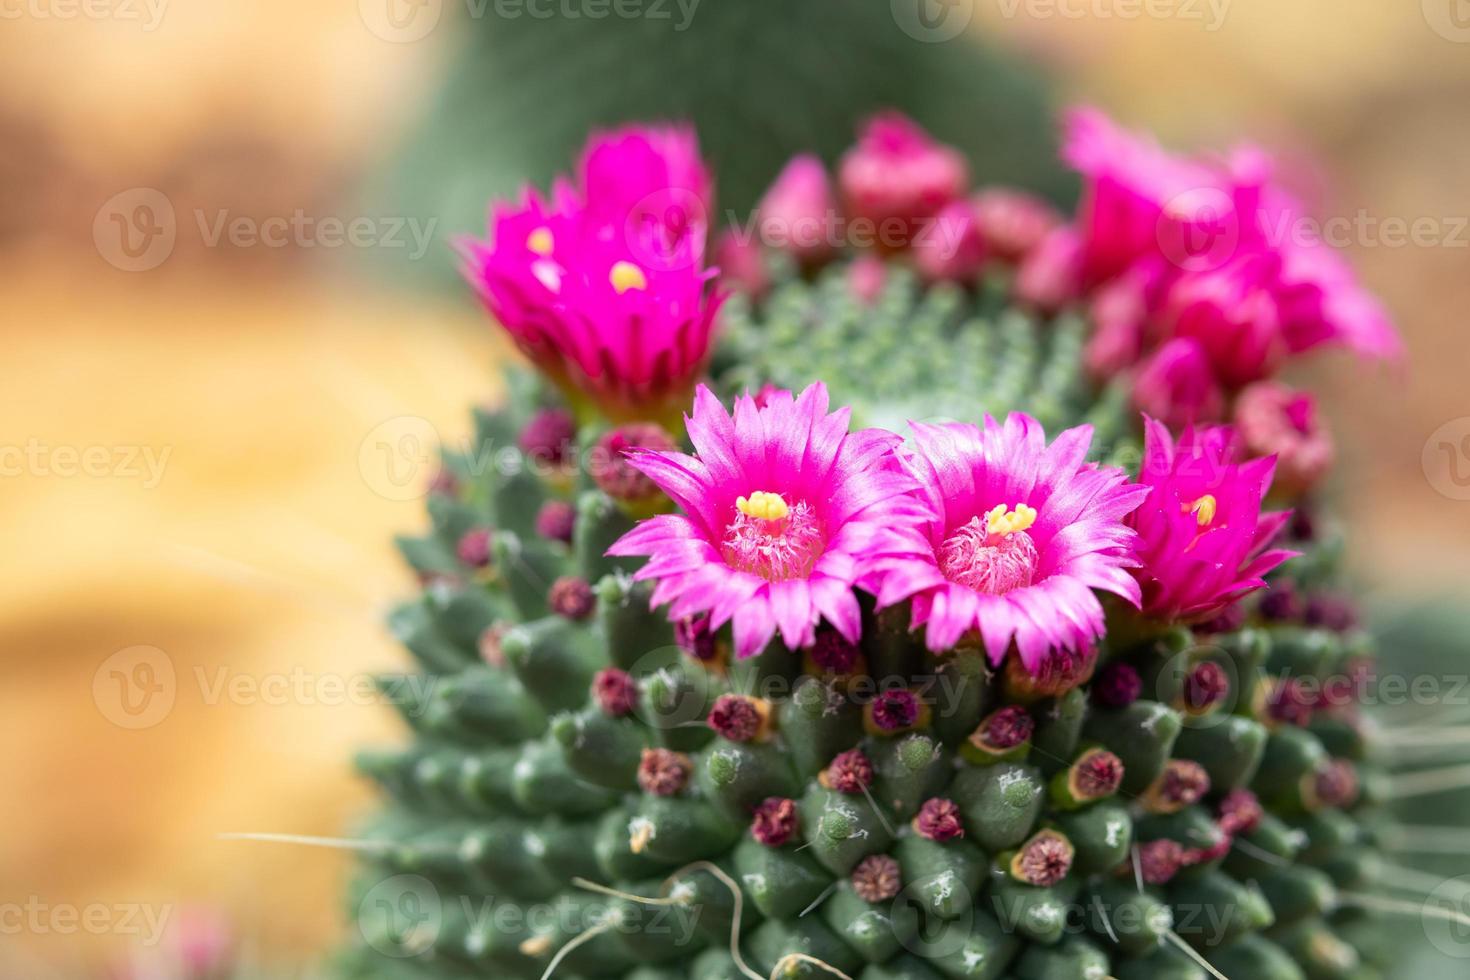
(257,381)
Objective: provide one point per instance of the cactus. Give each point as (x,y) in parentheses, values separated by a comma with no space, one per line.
(592,789)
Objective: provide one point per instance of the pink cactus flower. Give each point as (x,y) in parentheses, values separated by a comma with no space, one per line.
(781,506)
(1175,384)
(651,183)
(623,322)
(1274,420)
(1223,243)
(742,263)
(950,248)
(1050,276)
(1204,541)
(1120,322)
(797,213)
(1138,199)
(1013,222)
(866,278)
(898,176)
(1017,536)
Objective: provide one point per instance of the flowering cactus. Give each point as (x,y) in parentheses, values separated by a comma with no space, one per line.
(940,682)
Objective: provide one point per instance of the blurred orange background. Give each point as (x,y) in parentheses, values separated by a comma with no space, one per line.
(259,382)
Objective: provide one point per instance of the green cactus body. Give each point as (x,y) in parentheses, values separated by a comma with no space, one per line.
(564,791)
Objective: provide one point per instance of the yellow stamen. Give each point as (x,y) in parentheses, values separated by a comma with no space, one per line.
(1002,520)
(626,276)
(1203,509)
(541,242)
(766,506)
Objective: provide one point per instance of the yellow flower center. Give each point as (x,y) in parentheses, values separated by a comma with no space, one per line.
(766,506)
(626,276)
(1203,509)
(1002,520)
(541,242)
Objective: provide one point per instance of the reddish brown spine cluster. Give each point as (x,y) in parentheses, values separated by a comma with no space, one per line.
(736,717)
(1290,703)
(1206,686)
(556,520)
(612,471)
(663,772)
(1160,860)
(572,597)
(833,653)
(849,772)
(696,639)
(473,547)
(895,710)
(1240,812)
(548,438)
(489,643)
(1053,678)
(1007,728)
(877,878)
(1182,783)
(1118,686)
(939,820)
(775,821)
(1097,774)
(615,692)
(1336,784)
(1043,860)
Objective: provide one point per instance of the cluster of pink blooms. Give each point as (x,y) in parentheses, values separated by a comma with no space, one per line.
(992,534)
(603,286)
(988,532)
(1202,281)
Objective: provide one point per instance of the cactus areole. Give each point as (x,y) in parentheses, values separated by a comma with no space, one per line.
(860,624)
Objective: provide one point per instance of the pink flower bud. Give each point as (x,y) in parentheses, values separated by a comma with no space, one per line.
(1176,386)
(1274,420)
(949,248)
(898,175)
(1013,222)
(797,211)
(1050,276)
